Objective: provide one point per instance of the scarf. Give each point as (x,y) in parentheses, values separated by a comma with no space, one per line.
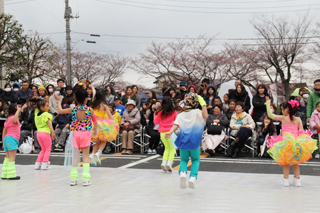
(239,116)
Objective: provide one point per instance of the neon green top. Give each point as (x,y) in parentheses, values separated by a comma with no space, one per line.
(41,121)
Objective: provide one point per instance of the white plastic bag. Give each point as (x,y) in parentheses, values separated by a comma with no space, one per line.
(26,146)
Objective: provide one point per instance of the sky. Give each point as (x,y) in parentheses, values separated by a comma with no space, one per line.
(119,21)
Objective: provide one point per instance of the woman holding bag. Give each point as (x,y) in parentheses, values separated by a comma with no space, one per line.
(214,134)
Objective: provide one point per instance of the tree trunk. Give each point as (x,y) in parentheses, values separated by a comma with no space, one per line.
(287,91)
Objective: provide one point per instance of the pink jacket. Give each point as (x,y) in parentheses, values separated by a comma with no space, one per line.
(165,123)
(315,120)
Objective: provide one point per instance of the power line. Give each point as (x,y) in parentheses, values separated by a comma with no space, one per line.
(49,12)
(218,8)
(18,2)
(205,12)
(233,2)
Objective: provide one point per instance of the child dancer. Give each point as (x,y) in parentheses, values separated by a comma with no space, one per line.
(165,119)
(80,135)
(43,121)
(10,138)
(267,127)
(107,129)
(117,119)
(191,123)
(294,145)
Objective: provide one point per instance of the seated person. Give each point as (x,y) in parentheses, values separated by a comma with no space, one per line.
(28,126)
(212,141)
(144,113)
(62,124)
(217,101)
(263,130)
(242,125)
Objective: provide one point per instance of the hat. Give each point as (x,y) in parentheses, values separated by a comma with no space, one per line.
(131,102)
(190,101)
(42,87)
(117,98)
(183,83)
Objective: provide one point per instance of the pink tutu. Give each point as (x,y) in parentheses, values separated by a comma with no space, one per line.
(276,138)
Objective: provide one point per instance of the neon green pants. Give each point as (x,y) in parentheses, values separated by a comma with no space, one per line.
(169,151)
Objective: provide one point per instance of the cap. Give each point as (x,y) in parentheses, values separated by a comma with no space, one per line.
(131,102)
(183,83)
(116,98)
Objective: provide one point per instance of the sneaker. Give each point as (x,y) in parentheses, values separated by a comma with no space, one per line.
(92,160)
(45,166)
(107,150)
(164,165)
(86,182)
(191,182)
(128,152)
(317,156)
(73,182)
(37,165)
(169,166)
(183,180)
(285,182)
(154,151)
(124,151)
(296,182)
(149,151)
(14,178)
(97,158)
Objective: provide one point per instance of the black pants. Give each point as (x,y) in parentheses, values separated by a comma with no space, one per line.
(155,138)
(243,134)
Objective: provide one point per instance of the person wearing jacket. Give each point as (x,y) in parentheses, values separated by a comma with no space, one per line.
(209,98)
(259,102)
(69,97)
(53,103)
(192,88)
(16,87)
(212,141)
(241,95)
(315,124)
(8,96)
(24,93)
(131,116)
(182,90)
(62,128)
(314,98)
(242,125)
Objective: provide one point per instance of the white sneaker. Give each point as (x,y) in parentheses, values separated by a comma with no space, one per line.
(86,182)
(73,182)
(164,165)
(37,166)
(97,158)
(92,160)
(191,182)
(317,156)
(149,151)
(285,182)
(296,182)
(183,180)
(154,151)
(169,166)
(45,166)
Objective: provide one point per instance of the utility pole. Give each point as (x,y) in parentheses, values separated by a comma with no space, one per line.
(68,16)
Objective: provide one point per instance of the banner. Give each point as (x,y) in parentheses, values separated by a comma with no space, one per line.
(273,89)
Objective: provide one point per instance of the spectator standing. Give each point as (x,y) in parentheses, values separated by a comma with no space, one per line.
(34,90)
(314,98)
(136,96)
(259,102)
(182,90)
(192,88)
(232,91)
(303,99)
(53,102)
(241,95)
(8,95)
(127,96)
(110,95)
(232,106)
(62,129)
(16,87)
(152,129)
(203,87)
(225,104)
(50,90)
(24,93)
(60,83)
(69,97)
(152,98)
(3,109)
(209,98)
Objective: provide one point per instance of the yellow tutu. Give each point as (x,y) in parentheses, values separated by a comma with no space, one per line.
(107,130)
(291,150)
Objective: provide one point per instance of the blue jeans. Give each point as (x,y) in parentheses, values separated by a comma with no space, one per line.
(195,159)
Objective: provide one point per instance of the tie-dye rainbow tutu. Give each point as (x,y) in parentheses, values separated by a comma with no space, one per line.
(107,130)
(291,150)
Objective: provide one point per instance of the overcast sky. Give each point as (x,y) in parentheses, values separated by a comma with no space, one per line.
(161,18)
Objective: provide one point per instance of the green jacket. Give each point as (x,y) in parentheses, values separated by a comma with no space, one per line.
(312,101)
